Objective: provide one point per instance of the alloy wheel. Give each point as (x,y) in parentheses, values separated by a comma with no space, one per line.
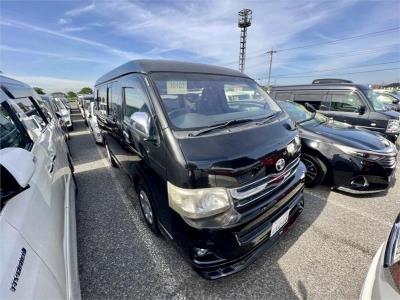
(146,207)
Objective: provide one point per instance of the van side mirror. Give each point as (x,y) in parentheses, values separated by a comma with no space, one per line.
(361,109)
(58,115)
(141,122)
(396,101)
(18,166)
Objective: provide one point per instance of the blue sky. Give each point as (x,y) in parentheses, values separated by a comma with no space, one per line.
(63,45)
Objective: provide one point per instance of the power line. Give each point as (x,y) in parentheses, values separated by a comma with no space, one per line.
(349,73)
(335,69)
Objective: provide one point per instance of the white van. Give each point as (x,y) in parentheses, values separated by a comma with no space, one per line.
(37,190)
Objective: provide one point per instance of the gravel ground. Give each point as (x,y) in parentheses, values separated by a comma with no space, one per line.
(325,255)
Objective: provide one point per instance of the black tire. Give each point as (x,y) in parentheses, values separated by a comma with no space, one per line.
(111,159)
(316,170)
(146,206)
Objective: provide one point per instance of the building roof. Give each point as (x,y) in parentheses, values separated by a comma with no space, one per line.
(147,66)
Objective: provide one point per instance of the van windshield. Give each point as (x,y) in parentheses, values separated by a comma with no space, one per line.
(374,99)
(194,101)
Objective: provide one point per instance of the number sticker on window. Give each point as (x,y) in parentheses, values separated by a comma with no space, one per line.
(175,87)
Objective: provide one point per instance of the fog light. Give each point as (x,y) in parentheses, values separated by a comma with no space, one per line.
(200,252)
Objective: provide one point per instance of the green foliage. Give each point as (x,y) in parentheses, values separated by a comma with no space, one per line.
(39,90)
(71,95)
(86,90)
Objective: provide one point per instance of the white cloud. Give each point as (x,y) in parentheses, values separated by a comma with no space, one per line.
(48,54)
(74,29)
(26,26)
(80,10)
(52,84)
(63,21)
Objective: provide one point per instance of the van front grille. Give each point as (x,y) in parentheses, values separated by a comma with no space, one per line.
(253,191)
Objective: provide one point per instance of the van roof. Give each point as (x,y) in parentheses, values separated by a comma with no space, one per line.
(335,86)
(147,66)
(15,88)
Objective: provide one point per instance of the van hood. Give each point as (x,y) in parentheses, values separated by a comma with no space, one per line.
(340,133)
(238,155)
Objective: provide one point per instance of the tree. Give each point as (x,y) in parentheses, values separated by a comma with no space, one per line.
(71,94)
(39,90)
(86,90)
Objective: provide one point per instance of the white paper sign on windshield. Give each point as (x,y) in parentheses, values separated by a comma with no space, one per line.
(175,87)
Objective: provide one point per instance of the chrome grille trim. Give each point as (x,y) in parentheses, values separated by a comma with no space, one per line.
(263,184)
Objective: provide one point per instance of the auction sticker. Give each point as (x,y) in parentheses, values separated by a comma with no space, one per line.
(175,87)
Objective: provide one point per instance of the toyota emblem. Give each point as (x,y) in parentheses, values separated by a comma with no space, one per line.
(280,164)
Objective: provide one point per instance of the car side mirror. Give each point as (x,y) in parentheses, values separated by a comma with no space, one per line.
(141,122)
(58,115)
(310,107)
(18,166)
(396,101)
(361,109)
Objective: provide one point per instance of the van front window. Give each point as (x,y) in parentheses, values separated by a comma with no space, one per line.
(194,101)
(374,99)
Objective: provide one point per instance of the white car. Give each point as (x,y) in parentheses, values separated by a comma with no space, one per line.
(383,278)
(93,125)
(85,101)
(64,113)
(37,217)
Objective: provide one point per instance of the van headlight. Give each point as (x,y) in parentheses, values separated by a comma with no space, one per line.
(393,126)
(198,203)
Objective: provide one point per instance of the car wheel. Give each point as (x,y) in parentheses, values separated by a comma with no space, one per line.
(145,201)
(111,158)
(316,170)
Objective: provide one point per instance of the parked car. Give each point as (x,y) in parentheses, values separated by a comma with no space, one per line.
(85,101)
(346,102)
(390,100)
(49,102)
(65,102)
(355,160)
(37,196)
(63,113)
(93,125)
(383,278)
(223,179)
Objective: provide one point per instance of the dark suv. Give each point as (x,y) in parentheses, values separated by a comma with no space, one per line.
(215,161)
(344,101)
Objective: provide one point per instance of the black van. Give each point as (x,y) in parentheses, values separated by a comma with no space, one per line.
(219,174)
(344,101)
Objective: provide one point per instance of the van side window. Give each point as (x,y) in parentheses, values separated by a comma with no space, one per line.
(316,100)
(29,116)
(102,100)
(282,96)
(346,102)
(45,108)
(109,99)
(10,134)
(135,98)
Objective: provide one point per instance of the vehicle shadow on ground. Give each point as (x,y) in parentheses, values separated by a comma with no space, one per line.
(120,258)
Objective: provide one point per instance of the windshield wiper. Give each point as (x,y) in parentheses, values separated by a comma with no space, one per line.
(219,126)
(266,119)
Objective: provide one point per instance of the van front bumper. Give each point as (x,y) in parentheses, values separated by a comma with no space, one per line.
(216,253)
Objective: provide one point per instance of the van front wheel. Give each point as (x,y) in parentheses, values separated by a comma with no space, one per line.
(146,207)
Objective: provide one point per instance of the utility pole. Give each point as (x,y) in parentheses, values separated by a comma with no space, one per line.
(271,53)
(244,22)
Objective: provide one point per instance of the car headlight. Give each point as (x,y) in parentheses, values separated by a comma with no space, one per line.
(370,155)
(393,126)
(198,203)
(392,254)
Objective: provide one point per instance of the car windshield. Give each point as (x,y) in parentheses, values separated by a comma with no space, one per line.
(194,101)
(374,100)
(299,113)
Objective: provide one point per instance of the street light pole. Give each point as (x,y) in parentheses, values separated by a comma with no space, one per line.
(271,53)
